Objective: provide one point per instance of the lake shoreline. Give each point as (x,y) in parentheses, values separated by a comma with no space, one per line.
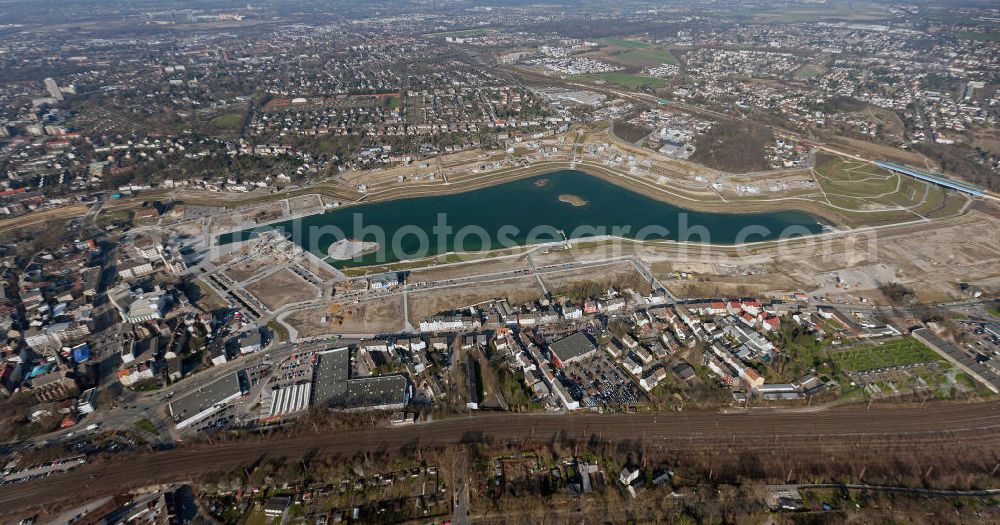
(527,210)
(666,195)
(823,214)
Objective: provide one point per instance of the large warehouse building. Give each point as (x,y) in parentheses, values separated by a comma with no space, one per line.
(335,388)
(571,348)
(206,401)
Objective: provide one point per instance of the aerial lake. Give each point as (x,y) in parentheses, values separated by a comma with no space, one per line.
(532,210)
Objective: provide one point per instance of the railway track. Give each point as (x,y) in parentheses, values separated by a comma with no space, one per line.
(839,432)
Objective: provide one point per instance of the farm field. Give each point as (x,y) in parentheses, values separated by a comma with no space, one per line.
(899,352)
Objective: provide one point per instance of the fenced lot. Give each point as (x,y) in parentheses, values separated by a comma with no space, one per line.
(898,352)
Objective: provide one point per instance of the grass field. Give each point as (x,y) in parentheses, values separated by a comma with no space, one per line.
(626,44)
(899,352)
(646,56)
(639,53)
(808,72)
(627,80)
(854,179)
(871,195)
(279,330)
(994,310)
(257,517)
(979,36)
(113,217)
(147,425)
(227,122)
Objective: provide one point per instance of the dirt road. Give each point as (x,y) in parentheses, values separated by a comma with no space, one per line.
(933,428)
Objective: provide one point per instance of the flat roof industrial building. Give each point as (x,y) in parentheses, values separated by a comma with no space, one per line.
(376,393)
(572,348)
(335,388)
(332,372)
(205,401)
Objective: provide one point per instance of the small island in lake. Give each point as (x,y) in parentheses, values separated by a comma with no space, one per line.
(572,200)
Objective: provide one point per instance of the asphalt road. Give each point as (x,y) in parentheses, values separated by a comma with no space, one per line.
(934,428)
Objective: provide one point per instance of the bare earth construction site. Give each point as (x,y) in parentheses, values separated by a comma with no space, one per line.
(885,227)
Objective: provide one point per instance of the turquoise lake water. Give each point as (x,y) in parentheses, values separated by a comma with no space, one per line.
(526,211)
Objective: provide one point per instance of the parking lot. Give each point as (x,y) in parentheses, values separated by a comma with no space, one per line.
(43,470)
(598,381)
(297,368)
(258,372)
